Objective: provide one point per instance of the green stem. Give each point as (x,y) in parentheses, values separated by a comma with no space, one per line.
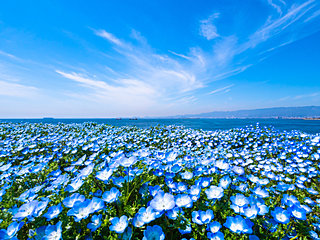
(288,229)
(96,182)
(127,188)
(295,237)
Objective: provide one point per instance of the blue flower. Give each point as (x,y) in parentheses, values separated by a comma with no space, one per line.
(196,217)
(111,196)
(26,210)
(74,198)
(298,212)
(41,206)
(104,175)
(194,190)
(118,181)
(214,226)
(146,215)
(238,224)
(85,172)
(163,201)
(184,200)
(96,204)
(37,234)
(281,215)
(74,185)
(236,208)
(181,187)
(214,192)
(118,225)
(81,210)
(225,182)
(136,223)
(127,162)
(239,200)
(271,225)
(154,190)
(289,200)
(127,234)
(262,193)
(153,233)
(202,217)
(186,175)
(243,187)
(253,237)
(11,231)
(175,168)
(97,193)
(314,235)
(205,182)
(53,232)
(238,170)
(251,212)
(312,191)
(263,209)
(95,222)
(53,212)
(187,228)
(173,213)
(144,190)
(215,236)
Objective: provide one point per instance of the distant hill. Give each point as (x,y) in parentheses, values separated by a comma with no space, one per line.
(277,112)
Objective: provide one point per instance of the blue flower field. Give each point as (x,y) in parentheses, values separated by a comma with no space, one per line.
(95,181)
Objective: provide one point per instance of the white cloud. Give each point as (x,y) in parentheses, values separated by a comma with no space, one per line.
(150,79)
(299,97)
(225,50)
(313,16)
(276,26)
(208,29)
(225,89)
(17,90)
(110,37)
(130,87)
(185,72)
(180,55)
(234,71)
(276,6)
(309,95)
(166,74)
(132,95)
(135,78)
(9,55)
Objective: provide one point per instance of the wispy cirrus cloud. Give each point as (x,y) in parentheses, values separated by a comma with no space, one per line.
(123,72)
(180,55)
(314,15)
(156,76)
(276,25)
(124,86)
(160,74)
(131,94)
(17,90)
(277,5)
(223,89)
(309,95)
(11,85)
(300,96)
(207,27)
(9,55)
(110,37)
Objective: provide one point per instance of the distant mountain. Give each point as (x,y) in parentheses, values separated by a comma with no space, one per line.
(277,112)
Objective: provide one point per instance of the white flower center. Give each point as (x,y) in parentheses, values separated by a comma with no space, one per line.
(235,227)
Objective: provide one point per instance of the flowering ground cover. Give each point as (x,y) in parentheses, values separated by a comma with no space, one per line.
(93,181)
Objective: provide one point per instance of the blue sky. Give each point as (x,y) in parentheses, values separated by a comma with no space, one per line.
(156,58)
